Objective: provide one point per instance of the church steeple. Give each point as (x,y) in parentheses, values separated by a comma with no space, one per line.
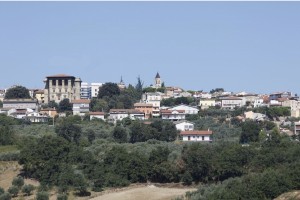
(157,81)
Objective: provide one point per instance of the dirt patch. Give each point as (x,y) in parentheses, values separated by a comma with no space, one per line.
(145,192)
(294,195)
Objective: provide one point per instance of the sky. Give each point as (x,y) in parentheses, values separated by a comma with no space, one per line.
(238,46)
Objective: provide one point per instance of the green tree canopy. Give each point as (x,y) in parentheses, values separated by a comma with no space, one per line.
(109,90)
(65,105)
(17,92)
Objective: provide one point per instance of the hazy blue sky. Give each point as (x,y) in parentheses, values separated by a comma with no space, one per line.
(240,46)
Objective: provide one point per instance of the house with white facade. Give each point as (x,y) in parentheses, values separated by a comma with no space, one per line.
(95,89)
(97,115)
(20,104)
(81,106)
(119,114)
(36,117)
(174,115)
(258,102)
(184,125)
(196,136)
(187,109)
(231,102)
(206,103)
(153,98)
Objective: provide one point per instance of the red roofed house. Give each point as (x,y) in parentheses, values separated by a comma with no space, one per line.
(97,115)
(197,136)
(81,106)
(174,115)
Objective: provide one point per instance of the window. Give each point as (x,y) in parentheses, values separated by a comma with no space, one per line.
(202,137)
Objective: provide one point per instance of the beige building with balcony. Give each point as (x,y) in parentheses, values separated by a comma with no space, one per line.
(61,86)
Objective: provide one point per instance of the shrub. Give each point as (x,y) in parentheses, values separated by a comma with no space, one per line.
(27,189)
(62,197)
(18,181)
(42,196)
(5,196)
(13,190)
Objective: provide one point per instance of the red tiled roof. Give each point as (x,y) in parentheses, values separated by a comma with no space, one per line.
(59,76)
(143,104)
(125,111)
(195,132)
(81,101)
(97,113)
(170,111)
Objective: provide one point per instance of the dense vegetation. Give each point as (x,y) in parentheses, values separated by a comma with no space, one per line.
(17,92)
(247,160)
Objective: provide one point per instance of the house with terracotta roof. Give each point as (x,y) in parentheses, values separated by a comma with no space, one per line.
(81,106)
(173,115)
(97,115)
(197,136)
(146,108)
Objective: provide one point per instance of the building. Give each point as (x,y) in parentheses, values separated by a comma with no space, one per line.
(20,104)
(39,95)
(153,98)
(95,89)
(81,106)
(184,125)
(276,95)
(231,102)
(196,136)
(85,91)
(173,115)
(206,103)
(255,116)
(51,112)
(146,108)
(61,86)
(119,114)
(121,85)
(157,81)
(36,117)
(187,109)
(97,115)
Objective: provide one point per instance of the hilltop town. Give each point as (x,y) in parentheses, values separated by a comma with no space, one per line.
(145,103)
(73,139)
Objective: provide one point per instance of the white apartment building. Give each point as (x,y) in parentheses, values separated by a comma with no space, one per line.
(187,109)
(95,89)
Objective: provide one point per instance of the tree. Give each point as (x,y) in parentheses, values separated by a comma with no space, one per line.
(42,196)
(217,90)
(7,135)
(18,181)
(109,90)
(68,131)
(65,105)
(5,196)
(27,189)
(139,86)
(90,135)
(1,191)
(13,190)
(99,105)
(52,104)
(250,131)
(1,104)
(17,92)
(120,134)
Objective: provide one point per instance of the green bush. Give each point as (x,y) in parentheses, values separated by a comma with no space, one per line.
(42,196)
(5,196)
(18,181)
(27,189)
(13,190)
(62,197)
